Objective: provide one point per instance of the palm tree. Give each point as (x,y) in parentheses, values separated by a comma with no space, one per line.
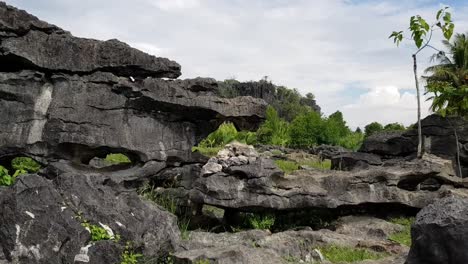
(448,80)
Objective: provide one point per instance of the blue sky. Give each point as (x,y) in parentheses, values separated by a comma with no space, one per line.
(336,49)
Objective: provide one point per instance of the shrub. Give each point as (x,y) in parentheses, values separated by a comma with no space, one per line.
(22,165)
(306,130)
(98,233)
(25,164)
(352,141)
(261,221)
(338,254)
(5,178)
(274,131)
(117,158)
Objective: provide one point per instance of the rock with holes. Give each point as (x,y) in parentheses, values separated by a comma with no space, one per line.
(42,221)
(77,99)
(439,233)
(261,187)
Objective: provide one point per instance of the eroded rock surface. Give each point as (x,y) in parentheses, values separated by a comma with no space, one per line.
(262,186)
(67,102)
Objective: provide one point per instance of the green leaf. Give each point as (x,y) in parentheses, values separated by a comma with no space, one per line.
(439,13)
(447,17)
(423,23)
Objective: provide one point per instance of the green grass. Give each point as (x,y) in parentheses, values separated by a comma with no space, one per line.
(117,158)
(322,165)
(207,151)
(403,237)
(166,201)
(287,166)
(337,254)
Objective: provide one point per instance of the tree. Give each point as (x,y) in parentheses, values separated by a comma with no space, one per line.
(394,127)
(421,32)
(307,130)
(372,128)
(358,130)
(448,80)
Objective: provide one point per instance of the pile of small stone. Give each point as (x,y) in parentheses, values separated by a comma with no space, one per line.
(234,154)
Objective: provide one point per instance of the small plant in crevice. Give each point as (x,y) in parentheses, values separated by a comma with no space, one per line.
(117,158)
(97,232)
(168,202)
(403,237)
(21,165)
(129,256)
(203,261)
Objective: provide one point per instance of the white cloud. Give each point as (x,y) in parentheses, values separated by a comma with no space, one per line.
(169,5)
(386,104)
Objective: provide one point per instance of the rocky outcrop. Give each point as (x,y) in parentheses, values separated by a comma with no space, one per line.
(439,138)
(293,246)
(260,186)
(69,96)
(42,221)
(439,233)
(354,160)
(67,102)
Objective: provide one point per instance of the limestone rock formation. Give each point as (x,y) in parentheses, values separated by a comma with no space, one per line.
(260,186)
(295,246)
(439,138)
(439,233)
(66,101)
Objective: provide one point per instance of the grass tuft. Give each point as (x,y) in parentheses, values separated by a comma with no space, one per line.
(337,254)
(403,237)
(117,158)
(287,166)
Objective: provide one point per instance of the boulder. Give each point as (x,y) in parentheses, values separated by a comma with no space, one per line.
(354,160)
(389,143)
(439,233)
(42,220)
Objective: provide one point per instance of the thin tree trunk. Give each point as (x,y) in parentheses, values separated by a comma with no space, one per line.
(415,67)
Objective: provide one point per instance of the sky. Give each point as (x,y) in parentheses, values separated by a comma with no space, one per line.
(337,49)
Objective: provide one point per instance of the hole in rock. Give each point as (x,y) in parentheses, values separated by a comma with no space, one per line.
(99,158)
(419,183)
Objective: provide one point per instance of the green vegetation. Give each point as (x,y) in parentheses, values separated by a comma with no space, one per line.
(21,165)
(203,261)
(288,103)
(274,131)
(98,233)
(225,134)
(375,127)
(129,256)
(169,203)
(448,80)
(403,237)
(263,222)
(288,166)
(421,33)
(337,254)
(117,158)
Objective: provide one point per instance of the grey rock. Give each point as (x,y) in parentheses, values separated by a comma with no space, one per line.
(439,233)
(41,224)
(261,186)
(354,160)
(211,168)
